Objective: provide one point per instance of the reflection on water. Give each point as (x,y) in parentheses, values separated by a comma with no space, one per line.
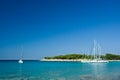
(21,72)
(100,71)
(94,71)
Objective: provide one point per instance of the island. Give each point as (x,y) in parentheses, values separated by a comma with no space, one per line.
(79,57)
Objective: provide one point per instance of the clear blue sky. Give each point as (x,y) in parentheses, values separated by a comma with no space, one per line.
(56,27)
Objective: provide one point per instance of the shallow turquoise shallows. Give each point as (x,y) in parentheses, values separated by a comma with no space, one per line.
(38,70)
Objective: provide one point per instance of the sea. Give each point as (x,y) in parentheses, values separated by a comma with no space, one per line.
(41,70)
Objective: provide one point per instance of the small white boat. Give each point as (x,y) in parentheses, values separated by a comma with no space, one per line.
(20,60)
(96,55)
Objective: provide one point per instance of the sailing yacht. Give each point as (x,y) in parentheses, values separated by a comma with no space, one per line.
(20,60)
(96,55)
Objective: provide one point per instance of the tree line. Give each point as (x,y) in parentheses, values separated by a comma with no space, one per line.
(107,56)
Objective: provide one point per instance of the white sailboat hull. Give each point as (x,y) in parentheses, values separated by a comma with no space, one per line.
(94,61)
(20,61)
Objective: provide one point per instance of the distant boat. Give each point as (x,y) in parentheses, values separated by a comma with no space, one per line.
(96,55)
(20,61)
(21,56)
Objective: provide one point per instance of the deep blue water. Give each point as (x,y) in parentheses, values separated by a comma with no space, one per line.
(38,70)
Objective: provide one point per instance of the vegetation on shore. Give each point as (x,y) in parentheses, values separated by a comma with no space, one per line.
(108,56)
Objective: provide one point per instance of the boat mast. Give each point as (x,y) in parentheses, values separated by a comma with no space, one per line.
(94,50)
(21,54)
(99,49)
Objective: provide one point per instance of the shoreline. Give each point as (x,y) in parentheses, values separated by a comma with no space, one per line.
(71,60)
(60,60)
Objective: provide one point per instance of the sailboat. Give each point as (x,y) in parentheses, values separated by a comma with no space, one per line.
(96,55)
(20,60)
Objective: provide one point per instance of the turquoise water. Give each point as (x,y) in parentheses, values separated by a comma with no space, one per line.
(38,70)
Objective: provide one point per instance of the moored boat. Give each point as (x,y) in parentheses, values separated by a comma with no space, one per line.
(96,55)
